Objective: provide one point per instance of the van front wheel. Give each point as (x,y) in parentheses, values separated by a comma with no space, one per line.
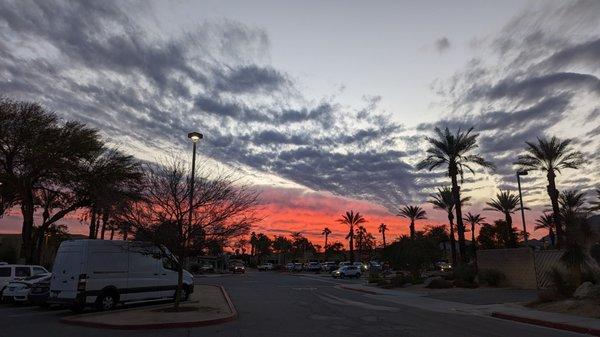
(106,301)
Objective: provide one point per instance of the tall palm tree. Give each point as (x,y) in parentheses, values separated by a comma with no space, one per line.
(506,203)
(572,201)
(551,156)
(413,213)
(473,220)
(326,232)
(382,228)
(352,220)
(443,200)
(456,151)
(546,221)
(596,203)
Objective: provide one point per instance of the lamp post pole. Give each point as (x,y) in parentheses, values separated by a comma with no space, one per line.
(519,174)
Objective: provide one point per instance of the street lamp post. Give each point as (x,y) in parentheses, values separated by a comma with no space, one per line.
(195,137)
(519,174)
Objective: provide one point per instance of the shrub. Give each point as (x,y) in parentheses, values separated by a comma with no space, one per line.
(399,280)
(560,283)
(464,284)
(439,284)
(464,273)
(547,295)
(491,277)
(374,278)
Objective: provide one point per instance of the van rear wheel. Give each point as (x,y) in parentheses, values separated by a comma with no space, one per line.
(106,301)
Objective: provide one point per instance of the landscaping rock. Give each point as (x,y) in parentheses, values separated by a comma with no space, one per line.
(428,280)
(583,291)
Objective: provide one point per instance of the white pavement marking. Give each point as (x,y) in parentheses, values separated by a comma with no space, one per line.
(342,301)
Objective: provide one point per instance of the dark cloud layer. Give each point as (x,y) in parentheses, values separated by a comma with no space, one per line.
(96,62)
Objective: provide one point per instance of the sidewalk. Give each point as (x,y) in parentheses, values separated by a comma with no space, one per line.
(509,311)
(207,305)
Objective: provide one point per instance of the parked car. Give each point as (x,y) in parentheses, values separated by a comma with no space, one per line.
(298,267)
(17,272)
(374,266)
(346,271)
(345,263)
(314,266)
(289,266)
(104,273)
(265,267)
(329,266)
(40,293)
(238,268)
(207,268)
(18,291)
(443,266)
(362,266)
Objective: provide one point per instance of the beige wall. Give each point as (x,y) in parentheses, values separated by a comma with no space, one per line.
(517,265)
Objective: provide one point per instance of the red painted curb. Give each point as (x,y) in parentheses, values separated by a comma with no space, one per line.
(360,290)
(230,318)
(553,325)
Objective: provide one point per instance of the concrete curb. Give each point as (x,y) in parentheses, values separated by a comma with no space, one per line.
(359,290)
(166,325)
(553,325)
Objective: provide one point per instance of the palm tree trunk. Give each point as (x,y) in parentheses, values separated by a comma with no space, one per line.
(412,229)
(92,223)
(474,244)
(112,232)
(553,193)
(462,247)
(552,237)
(452,240)
(326,235)
(383,234)
(352,244)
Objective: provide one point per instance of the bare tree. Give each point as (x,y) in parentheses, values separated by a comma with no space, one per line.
(222,209)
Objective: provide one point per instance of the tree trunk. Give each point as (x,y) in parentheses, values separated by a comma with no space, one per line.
(383,234)
(553,194)
(112,233)
(462,247)
(104,220)
(552,237)
(326,235)
(412,229)
(92,223)
(352,244)
(452,240)
(27,210)
(508,219)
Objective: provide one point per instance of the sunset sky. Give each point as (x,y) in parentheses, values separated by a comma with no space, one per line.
(322,105)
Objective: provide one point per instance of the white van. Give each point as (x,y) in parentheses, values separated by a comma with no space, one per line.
(103,273)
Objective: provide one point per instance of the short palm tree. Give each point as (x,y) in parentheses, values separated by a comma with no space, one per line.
(571,201)
(551,156)
(352,220)
(473,220)
(456,151)
(382,228)
(326,232)
(443,200)
(506,203)
(546,221)
(413,213)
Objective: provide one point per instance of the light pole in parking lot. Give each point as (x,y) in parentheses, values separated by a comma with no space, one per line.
(519,174)
(195,137)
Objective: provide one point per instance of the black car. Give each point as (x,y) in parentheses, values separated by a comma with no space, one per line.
(39,294)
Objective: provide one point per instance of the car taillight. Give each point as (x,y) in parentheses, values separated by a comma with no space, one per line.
(81,283)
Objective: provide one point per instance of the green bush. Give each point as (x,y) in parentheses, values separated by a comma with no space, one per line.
(440,283)
(491,277)
(464,273)
(374,278)
(560,283)
(464,284)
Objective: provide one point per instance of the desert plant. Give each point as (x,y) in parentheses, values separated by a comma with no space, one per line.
(412,213)
(352,220)
(465,273)
(439,283)
(443,200)
(560,283)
